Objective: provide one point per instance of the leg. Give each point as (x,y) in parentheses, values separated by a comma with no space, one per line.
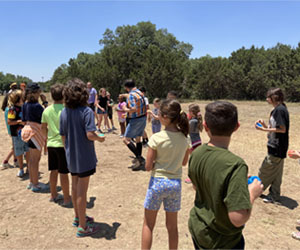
(130,145)
(64,182)
(35,156)
(122,126)
(148,226)
(171,224)
(82,187)
(53,183)
(106,121)
(74,193)
(9,155)
(275,186)
(265,172)
(20,161)
(100,116)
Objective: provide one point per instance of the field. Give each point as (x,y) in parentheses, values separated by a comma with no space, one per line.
(116,195)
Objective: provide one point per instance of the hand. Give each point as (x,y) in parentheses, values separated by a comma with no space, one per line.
(255,189)
(294,154)
(101,139)
(102,109)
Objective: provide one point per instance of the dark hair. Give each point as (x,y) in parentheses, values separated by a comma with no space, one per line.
(195,110)
(57,92)
(142,89)
(129,83)
(221,118)
(276,95)
(75,94)
(172,109)
(122,98)
(30,92)
(173,93)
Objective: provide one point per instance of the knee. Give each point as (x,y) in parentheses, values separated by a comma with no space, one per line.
(171,227)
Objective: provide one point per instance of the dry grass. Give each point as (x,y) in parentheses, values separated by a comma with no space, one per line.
(116,194)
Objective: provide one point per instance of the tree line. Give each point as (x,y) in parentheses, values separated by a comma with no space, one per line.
(155,59)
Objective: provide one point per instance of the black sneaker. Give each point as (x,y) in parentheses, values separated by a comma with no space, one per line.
(270,199)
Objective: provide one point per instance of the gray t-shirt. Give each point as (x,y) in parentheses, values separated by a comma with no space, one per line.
(80,151)
(194,130)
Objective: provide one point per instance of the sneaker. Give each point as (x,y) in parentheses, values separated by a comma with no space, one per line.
(121,136)
(99,130)
(6,165)
(139,167)
(29,186)
(57,198)
(89,230)
(89,221)
(141,159)
(39,187)
(296,235)
(134,161)
(270,199)
(109,130)
(114,128)
(20,173)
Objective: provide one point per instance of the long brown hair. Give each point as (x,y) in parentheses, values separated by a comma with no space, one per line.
(276,95)
(172,110)
(195,110)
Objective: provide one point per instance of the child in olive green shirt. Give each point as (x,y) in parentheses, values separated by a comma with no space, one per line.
(223,198)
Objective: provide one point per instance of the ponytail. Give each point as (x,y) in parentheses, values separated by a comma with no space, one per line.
(183,123)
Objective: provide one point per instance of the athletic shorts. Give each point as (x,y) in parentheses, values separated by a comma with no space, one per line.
(85,174)
(20,147)
(31,144)
(110,115)
(136,127)
(57,160)
(163,190)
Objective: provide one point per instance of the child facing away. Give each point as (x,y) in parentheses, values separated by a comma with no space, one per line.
(271,170)
(57,162)
(122,114)
(153,116)
(167,152)
(14,120)
(32,133)
(223,198)
(78,131)
(196,126)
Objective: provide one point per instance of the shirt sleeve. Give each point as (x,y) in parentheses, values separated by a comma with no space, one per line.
(278,116)
(153,142)
(89,120)
(23,113)
(11,115)
(237,196)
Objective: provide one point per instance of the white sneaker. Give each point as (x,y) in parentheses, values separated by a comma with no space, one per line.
(20,173)
(121,136)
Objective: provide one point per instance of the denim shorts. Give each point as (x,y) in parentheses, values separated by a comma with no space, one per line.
(163,190)
(20,147)
(100,112)
(136,127)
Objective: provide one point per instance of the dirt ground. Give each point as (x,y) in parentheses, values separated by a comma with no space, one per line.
(116,195)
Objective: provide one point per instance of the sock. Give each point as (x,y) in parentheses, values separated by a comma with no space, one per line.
(133,149)
(139,147)
(15,160)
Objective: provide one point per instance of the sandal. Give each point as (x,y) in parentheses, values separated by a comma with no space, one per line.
(89,221)
(89,230)
(296,235)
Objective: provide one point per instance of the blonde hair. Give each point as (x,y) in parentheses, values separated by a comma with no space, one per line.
(15,97)
(101,91)
(156,100)
(195,110)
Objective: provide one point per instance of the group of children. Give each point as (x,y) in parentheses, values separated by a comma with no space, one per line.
(223,197)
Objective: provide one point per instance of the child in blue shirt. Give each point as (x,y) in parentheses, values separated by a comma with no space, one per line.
(78,131)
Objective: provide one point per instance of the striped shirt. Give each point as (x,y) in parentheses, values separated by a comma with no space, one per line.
(136,100)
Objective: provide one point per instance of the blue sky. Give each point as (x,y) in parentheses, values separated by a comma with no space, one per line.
(38,36)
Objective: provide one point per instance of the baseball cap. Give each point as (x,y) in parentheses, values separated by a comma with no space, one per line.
(13,84)
(33,86)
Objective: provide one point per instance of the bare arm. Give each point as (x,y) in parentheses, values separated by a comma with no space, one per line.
(92,136)
(45,129)
(281,129)
(12,122)
(240,217)
(186,157)
(151,156)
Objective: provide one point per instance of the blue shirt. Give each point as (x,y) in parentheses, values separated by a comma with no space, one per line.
(92,96)
(80,151)
(32,112)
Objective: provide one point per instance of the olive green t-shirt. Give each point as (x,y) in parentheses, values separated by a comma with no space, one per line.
(220,178)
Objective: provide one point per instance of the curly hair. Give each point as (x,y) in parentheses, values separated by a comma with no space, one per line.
(195,110)
(75,93)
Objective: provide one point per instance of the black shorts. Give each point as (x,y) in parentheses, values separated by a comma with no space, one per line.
(92,106)
(31,144)
(110,115)
(85,174)
(57,160)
